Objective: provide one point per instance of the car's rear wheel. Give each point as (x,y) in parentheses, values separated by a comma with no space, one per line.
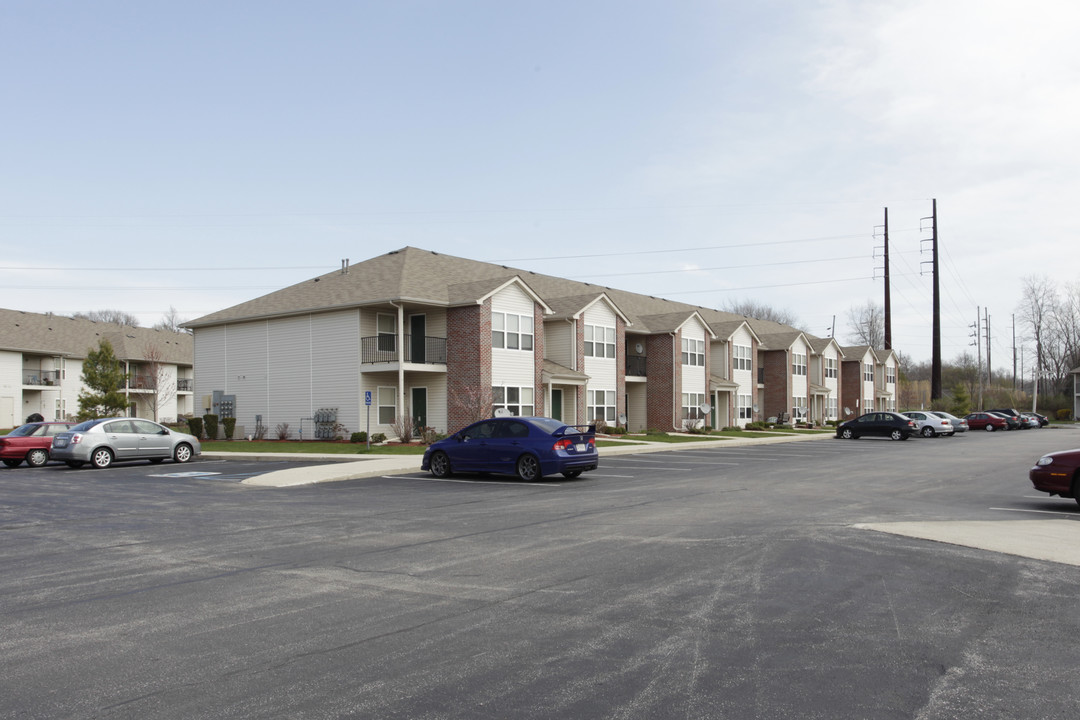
(440,465)
(101,458)
(847,434)
(989,427)
(928,432)
(12,462)
(37,457)
(528,468)
(182,453)
(897,435)
(571,474)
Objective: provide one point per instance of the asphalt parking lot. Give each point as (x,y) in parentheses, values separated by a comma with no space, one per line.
(698,582)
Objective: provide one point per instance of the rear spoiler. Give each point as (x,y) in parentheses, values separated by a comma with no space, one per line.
(589,429)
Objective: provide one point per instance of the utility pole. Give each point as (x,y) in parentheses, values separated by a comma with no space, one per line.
(935,358)
(978,345)
(989,370)
(888,295)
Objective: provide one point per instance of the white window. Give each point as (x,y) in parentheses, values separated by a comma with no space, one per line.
(599,341)
(741,357)
(693,352)
(799,409)
(600,405)
(868,404)
(61,409)
(746,407)
(691,406)
(511,332)
(518,400)
(387,405)
(890,375)
(798,363)
(830,408)
(830,367)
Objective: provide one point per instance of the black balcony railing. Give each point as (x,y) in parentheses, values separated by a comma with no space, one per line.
(185,384)
(635,365)
(41,377)
(761,375)
(418,349)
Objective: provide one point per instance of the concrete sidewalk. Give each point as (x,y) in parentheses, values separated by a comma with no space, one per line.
(353,467)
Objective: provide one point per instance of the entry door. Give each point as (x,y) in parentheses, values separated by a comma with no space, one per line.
(556,404)
(419,407)
(417,337)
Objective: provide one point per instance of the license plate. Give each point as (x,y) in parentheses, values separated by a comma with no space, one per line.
(60,443)
(581,447)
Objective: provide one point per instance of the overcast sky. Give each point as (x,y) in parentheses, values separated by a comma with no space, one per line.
(193,155)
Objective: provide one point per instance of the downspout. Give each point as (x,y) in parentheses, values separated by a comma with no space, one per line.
(676,392)
(401,361)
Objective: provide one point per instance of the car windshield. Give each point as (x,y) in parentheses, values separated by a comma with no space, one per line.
(25,430)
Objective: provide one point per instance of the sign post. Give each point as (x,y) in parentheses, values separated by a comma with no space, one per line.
(367,401)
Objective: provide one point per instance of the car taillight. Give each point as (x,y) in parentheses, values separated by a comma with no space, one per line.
(75,439)
(563,444)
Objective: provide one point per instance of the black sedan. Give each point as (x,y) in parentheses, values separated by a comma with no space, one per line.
(880,424)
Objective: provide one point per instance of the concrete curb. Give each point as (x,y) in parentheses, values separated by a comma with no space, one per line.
(350,467)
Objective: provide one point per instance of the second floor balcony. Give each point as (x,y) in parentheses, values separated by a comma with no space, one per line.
(43,378)
(417,349)
(635,365)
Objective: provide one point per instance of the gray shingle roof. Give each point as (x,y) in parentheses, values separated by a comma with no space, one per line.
(73,337)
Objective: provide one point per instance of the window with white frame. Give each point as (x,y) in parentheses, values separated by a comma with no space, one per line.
(741,357)
(746,407)
(830,408)
(61,408)
(511,332)
(868,405)
(599,341)
(386,329)
(691,406)
(798,363)
(868,372)
(799,409)
(387,405)
(517,400)
(600,405)
(890,374)
(693,352)
(830,367)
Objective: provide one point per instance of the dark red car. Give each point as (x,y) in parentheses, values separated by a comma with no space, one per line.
(1058,474)
(30,442)
(986,421)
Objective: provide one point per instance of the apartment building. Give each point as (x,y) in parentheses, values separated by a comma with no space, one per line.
(438,341)
(41,357)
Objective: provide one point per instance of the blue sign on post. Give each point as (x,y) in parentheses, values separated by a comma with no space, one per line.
(367,397)
(367,401)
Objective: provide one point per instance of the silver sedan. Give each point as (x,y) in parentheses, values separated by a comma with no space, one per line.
(101,442)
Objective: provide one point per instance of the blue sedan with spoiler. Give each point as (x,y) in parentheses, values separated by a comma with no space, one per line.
(529,447)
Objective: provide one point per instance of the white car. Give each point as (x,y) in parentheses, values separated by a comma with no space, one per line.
(100,442)
(930,425)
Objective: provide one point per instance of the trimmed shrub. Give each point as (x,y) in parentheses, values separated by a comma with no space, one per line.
(378,437)
(210,423)
(195,427)
(1063,414)
(358,437)
(229,426)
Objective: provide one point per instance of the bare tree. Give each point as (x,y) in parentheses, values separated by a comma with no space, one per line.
(156,376)
(866,324)
(118,317)
(170,321)
(1036,309)
(761,311)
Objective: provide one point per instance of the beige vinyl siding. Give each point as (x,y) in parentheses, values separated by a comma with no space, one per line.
(335,365)
(245,377)
(693,376)
(289,345)
(746,379)
(559,342)
(11,390)
(718,358)
(210,359)
(513,368)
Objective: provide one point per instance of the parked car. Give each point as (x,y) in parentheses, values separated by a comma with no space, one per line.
(986,421)
(529,447)
(1012,422)
(1029,421)
(928,424)
(105,440)
(30,442)
(1013,413)
(959,424)
(882,424)
(1058,473)
(1041,419)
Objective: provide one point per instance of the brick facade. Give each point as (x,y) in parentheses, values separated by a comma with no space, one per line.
(665,378)
(777,382)
(468,364)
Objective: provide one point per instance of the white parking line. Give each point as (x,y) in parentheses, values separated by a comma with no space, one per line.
(1039,512)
